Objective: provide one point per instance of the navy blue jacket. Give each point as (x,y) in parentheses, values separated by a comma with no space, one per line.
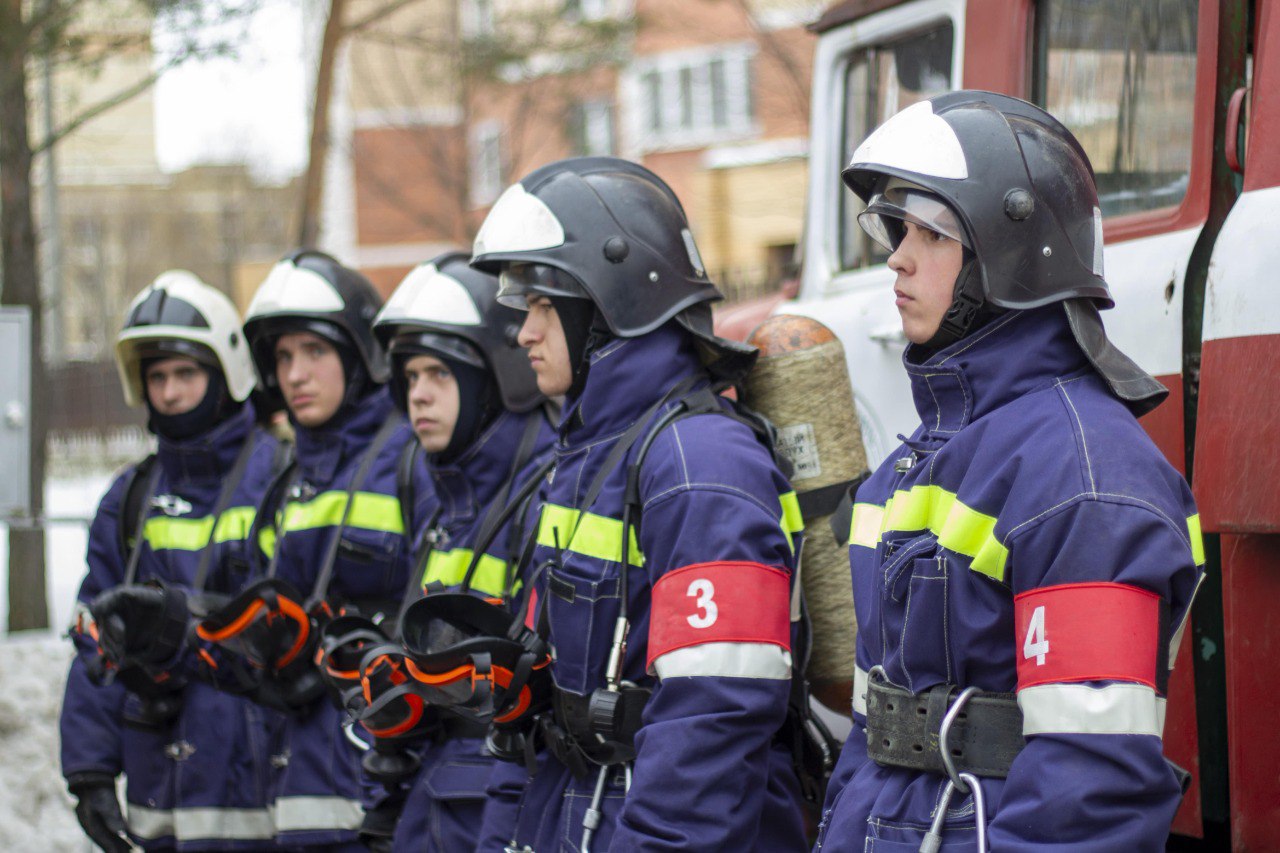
(202,782)
(709,592)
(983,550)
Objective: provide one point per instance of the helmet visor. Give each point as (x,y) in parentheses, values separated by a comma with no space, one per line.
(517,282)
(888,211)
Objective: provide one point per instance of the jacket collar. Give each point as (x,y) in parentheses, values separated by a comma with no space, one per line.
(322,452)
(471,480)
(1014,355)
(628,375)
(209,455)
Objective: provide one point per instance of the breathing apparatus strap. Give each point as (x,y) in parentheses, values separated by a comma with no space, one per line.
(229,486)
(321,589)
(404,483)
(272,503)
(418,570)
(135,551)
(498,508)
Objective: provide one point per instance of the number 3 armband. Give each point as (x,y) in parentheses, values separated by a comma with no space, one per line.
(730,619)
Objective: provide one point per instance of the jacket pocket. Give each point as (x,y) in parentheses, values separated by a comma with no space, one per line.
(915,601)
(582,605)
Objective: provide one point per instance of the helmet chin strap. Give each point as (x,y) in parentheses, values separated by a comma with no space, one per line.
(966,305)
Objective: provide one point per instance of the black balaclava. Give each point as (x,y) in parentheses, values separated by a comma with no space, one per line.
(584,332)
(478,405)
(214,408)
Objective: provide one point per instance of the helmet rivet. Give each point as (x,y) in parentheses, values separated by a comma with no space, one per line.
(653,276)
(616,250)
(234,340)
(1048,253)
(1018,204)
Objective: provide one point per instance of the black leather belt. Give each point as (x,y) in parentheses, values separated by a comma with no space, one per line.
(902,729)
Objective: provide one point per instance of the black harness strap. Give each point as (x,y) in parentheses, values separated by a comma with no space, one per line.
(229,486)
(321,589)
(152,475)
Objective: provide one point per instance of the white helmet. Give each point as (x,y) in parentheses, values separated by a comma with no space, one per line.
(178,315)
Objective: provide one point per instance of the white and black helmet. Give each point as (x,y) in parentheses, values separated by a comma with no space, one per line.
(445,306)
(615,233)
(1012,184)
(178,315)
(309,291)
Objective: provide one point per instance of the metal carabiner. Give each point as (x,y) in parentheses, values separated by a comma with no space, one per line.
(965,783)
(591,818)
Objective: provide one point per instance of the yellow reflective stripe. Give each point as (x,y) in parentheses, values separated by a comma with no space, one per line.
(449,567)
(370,511)
(868,520)
(267,541)
(192,534)
(595,536)
(792,521)
(1197,539)
(959,528)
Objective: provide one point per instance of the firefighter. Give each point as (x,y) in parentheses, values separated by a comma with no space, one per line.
(1024,562)
(338,542)
(667,601)
(170,528)
(475,408)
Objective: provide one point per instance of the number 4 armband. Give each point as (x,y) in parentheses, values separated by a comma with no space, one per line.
(729,619)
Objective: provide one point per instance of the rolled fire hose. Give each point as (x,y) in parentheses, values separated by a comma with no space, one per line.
(801,383)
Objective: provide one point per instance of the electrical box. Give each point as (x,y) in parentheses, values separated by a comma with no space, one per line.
(15,411)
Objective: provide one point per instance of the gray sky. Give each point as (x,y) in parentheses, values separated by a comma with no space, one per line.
(250,109)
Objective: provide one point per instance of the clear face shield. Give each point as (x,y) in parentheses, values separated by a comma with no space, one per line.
(900,202)
(518,282)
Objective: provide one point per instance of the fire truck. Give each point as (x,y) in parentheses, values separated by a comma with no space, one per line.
(1178,104)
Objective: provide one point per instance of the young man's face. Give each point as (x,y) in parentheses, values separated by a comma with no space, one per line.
(176,385)
(927,264)
(311,379)
(543,336)
(432,393)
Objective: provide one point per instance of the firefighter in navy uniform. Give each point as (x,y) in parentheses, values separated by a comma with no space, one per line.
(667,602)
(170,528)
(474,405)
(337,540)
(1023,562)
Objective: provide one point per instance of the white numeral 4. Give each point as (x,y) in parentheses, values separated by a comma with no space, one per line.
(1035,645)
(703,590)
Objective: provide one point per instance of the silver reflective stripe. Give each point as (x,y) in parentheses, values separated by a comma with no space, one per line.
(859,690)
(293,814)
(195,824)
(1117,709)
(731,660)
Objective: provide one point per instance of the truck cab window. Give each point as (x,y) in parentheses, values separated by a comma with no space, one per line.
(1121,76)
(881,80)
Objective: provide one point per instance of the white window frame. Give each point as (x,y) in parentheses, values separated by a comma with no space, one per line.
(485,156)
(478,18)
(670,68)
(598,128)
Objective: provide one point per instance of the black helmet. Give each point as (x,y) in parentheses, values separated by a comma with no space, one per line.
(617,234)
(445,306)
(309,291)
(1023,192)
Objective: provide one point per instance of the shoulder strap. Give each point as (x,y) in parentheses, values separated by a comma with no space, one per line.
(405,492)
(321,589)
(229,485)
(496,515)
(137,500)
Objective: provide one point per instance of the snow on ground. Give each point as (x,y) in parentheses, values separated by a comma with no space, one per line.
(36,813)
(35,810)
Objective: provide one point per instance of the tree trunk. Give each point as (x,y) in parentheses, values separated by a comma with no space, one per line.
(313,181)
(20,283)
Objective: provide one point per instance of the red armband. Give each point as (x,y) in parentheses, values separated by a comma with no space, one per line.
(740,611)
(1089,632)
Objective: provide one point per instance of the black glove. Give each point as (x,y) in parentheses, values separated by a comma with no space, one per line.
(379,824)
(98,811)
(142,624)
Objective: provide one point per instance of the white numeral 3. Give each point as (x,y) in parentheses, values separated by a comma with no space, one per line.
(703,590)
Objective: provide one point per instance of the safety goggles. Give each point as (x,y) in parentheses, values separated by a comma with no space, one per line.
(266,624)
(518,282)
(899,202)
(460,654)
